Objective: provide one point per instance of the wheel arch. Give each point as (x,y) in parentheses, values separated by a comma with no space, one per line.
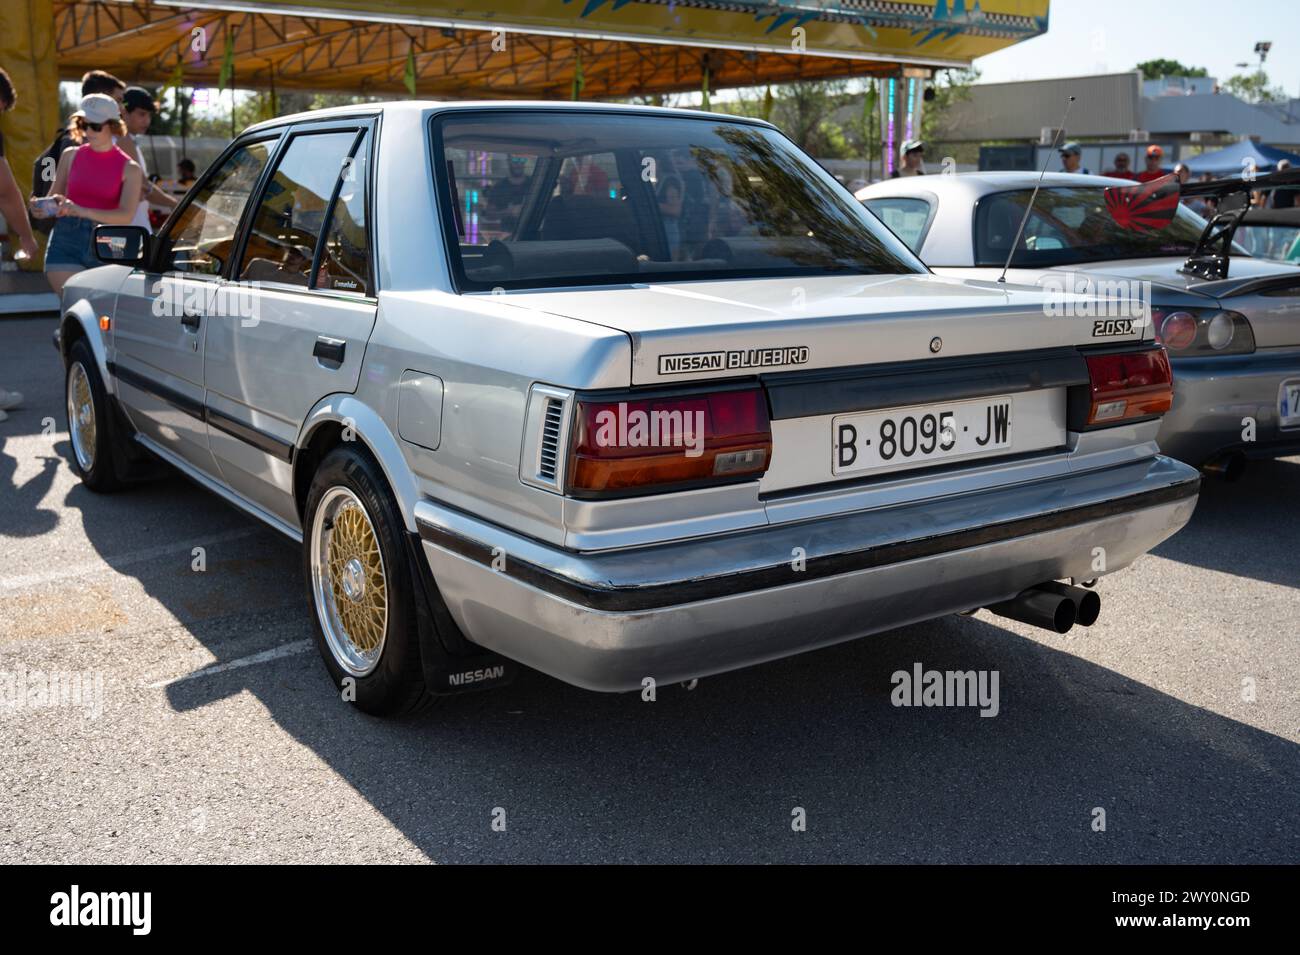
(328,426)
(79,322)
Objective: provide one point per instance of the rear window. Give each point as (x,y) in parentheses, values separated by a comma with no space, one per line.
(1084,224)
(907,218)
(542,199)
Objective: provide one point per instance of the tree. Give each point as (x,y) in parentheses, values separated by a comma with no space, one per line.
(804,111)
(954,88)
(1159,69)
(1254,88)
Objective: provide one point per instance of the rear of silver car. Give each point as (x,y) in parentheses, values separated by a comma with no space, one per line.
(1236,362)
(799,436)
(813,551)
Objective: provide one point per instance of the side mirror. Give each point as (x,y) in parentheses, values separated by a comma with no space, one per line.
(122,244)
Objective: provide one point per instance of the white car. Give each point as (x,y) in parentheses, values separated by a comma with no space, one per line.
(618,393)
(1234,341)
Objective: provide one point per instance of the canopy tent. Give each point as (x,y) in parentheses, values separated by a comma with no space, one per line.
(529,48)
(1233,160)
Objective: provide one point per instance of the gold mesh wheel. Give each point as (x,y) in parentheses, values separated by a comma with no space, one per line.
(81,416)
(349,581)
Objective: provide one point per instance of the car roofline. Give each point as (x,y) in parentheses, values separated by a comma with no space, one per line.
(432,107)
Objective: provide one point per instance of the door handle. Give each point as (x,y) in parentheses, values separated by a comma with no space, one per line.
(190,320)
(330,349)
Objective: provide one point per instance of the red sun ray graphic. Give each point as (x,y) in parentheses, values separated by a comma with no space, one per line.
(1145,206)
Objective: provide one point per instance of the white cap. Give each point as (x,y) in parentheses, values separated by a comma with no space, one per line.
(99,108)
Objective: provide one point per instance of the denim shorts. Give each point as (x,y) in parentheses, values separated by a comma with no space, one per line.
(72,245)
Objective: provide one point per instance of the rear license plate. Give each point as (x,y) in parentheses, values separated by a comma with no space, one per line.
(1288,403)
(880,440)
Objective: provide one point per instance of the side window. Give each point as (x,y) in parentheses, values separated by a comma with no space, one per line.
(906,218)
(290,217)
(203,237)
(345,262)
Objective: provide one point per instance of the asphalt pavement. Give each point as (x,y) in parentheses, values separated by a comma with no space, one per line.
(201,726)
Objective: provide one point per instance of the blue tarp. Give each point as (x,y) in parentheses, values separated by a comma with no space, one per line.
(1229,162)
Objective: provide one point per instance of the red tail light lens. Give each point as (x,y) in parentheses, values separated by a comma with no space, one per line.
(1176,330)
(667,443)
(1128,385)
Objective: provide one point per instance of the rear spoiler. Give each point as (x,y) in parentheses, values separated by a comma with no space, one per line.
(1209,260)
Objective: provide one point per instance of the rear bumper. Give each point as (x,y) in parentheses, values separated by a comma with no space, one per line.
(1212,396)
(607,621)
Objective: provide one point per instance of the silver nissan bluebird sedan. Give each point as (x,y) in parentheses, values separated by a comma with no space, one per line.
(1232,332)
(620,394)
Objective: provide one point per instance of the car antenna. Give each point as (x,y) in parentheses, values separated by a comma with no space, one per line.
(1043,172)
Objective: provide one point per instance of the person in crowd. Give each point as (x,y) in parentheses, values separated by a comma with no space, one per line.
(505,197)
(1121,170)
(912,154)
(96,81)
(138,108)
(97,182)
(1154,170)
(186,174)
(11,205)
(1072,158)
(1183,172)
(1283,198)
(693,222)
(670,196)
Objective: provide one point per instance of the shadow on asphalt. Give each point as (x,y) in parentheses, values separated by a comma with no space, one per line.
(1249,527)
(713,774)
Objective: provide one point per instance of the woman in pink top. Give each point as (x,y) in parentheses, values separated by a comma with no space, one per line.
(95,183)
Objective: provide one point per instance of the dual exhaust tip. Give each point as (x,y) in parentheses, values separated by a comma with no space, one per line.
(1052,606)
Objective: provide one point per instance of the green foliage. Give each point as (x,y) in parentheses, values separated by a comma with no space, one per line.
(950,88)
(1254,88)
(1160,68)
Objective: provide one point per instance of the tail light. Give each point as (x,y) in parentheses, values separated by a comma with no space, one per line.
(634,445)
(1194,332)
(1124,386)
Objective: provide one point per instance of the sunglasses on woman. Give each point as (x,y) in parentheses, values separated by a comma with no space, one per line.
(94,127)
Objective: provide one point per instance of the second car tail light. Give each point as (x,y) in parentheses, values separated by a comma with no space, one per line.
(1127,385)
(1196,332)
(637,445)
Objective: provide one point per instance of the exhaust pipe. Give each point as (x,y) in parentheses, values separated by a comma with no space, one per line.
(1230,466)
(1041,608)
(1087,603)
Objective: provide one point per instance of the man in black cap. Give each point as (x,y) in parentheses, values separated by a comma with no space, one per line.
(138,108)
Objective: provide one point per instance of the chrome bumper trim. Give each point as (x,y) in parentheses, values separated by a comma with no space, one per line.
(667,575)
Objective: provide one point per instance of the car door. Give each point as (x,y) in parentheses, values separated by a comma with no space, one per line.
(159,325)
(300,307)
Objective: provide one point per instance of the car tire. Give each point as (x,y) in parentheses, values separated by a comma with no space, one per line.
(360,587)
(90,431)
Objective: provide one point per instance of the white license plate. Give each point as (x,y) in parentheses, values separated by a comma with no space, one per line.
(897,437)
(1288,404)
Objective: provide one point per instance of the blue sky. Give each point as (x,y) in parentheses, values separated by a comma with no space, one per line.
(1109,36)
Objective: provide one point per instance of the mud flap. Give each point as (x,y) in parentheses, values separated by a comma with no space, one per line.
(451,663)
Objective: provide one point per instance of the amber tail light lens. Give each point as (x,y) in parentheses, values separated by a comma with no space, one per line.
(641,445)
(1128,385)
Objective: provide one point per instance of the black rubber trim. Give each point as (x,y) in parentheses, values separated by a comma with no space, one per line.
(259,439)
(802,394)
(173,397)
(707,588)
(267,443)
